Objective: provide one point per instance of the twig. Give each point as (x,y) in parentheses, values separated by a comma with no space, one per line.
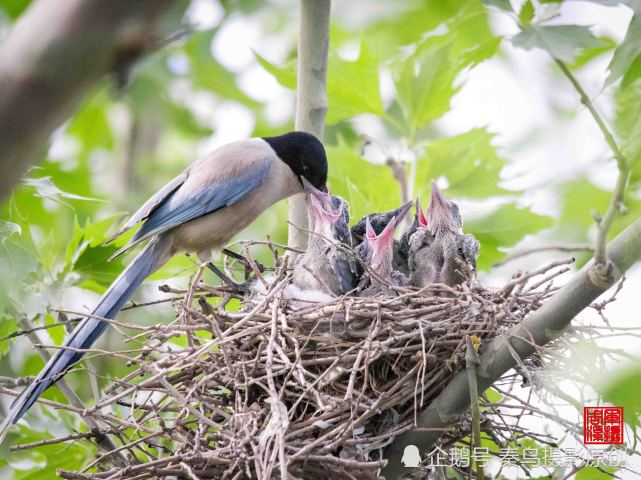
(471,364)
(604,223)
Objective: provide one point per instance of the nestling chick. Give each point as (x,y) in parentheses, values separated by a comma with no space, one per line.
(376,251)
(327,265)
(440,252)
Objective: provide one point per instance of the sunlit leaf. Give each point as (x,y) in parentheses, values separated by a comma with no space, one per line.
(593,473)
(45,188)
(14,8)
(581,198)
(424,80)
(366,187)
(622,390)
(352,87)
(8,325)
(208,74)
(586,55)
(561,41)
(526,15)
(628,125)
(504,227)
(285,75)
(626,61)
(424,87)
(7,229)
(502,4)
(469,162)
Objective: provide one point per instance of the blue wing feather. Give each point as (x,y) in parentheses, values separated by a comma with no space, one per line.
(207,200)
(177,209)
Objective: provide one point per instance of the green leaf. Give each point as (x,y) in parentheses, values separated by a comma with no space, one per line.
(526,15)
(424,80)
(208,74)
(502,4)
(7,229)
(353,87)
(469,161)
(424,87)
(285,75)
(592,473)
(504,227)
(8,325)
(45,188)
(56,333)
(366,187)
(44,461)
(622,390)
(561,41)
(627,57)
(87,256)
(580,198)
(628,125)
(588,54)
(14,8)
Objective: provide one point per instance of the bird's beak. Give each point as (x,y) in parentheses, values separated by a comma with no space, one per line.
(324,210)
(439,210)
(383,240)
(322,196)
(422,219)
(403,211)
(387,235)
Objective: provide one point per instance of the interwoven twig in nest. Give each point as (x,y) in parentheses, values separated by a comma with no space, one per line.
(286,388)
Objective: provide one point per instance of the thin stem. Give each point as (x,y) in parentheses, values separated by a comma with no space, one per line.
(603,223)
(471,363)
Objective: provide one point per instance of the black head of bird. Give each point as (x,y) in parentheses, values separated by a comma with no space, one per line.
(304,154)
(420,222)
(378,221)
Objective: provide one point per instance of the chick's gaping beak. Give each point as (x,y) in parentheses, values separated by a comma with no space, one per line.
(322,208)
(383,240)
(323,196)
(422,219)
(439,211)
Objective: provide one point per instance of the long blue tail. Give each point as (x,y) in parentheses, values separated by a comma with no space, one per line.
(88,330)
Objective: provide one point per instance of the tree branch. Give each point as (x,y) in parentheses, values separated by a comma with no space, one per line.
(603,223)
(53,56)
(311,106)
(543,326)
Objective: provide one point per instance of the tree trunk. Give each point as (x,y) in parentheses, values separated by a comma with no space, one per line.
(311,105)
(55,53)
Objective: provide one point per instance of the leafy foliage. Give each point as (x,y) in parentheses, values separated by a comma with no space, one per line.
(561,41)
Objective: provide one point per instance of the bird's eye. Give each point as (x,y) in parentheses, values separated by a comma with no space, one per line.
(460,250)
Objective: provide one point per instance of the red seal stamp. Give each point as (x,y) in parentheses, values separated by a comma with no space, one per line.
(603,425)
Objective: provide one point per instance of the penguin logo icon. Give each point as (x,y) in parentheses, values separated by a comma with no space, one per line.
(411,457)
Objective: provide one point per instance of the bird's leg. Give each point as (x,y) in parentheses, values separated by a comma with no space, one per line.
(246,263)
(225,279)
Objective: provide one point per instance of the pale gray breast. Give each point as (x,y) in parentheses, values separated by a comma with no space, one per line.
(215,230)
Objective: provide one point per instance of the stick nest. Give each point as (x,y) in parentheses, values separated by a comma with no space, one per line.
(314,390)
